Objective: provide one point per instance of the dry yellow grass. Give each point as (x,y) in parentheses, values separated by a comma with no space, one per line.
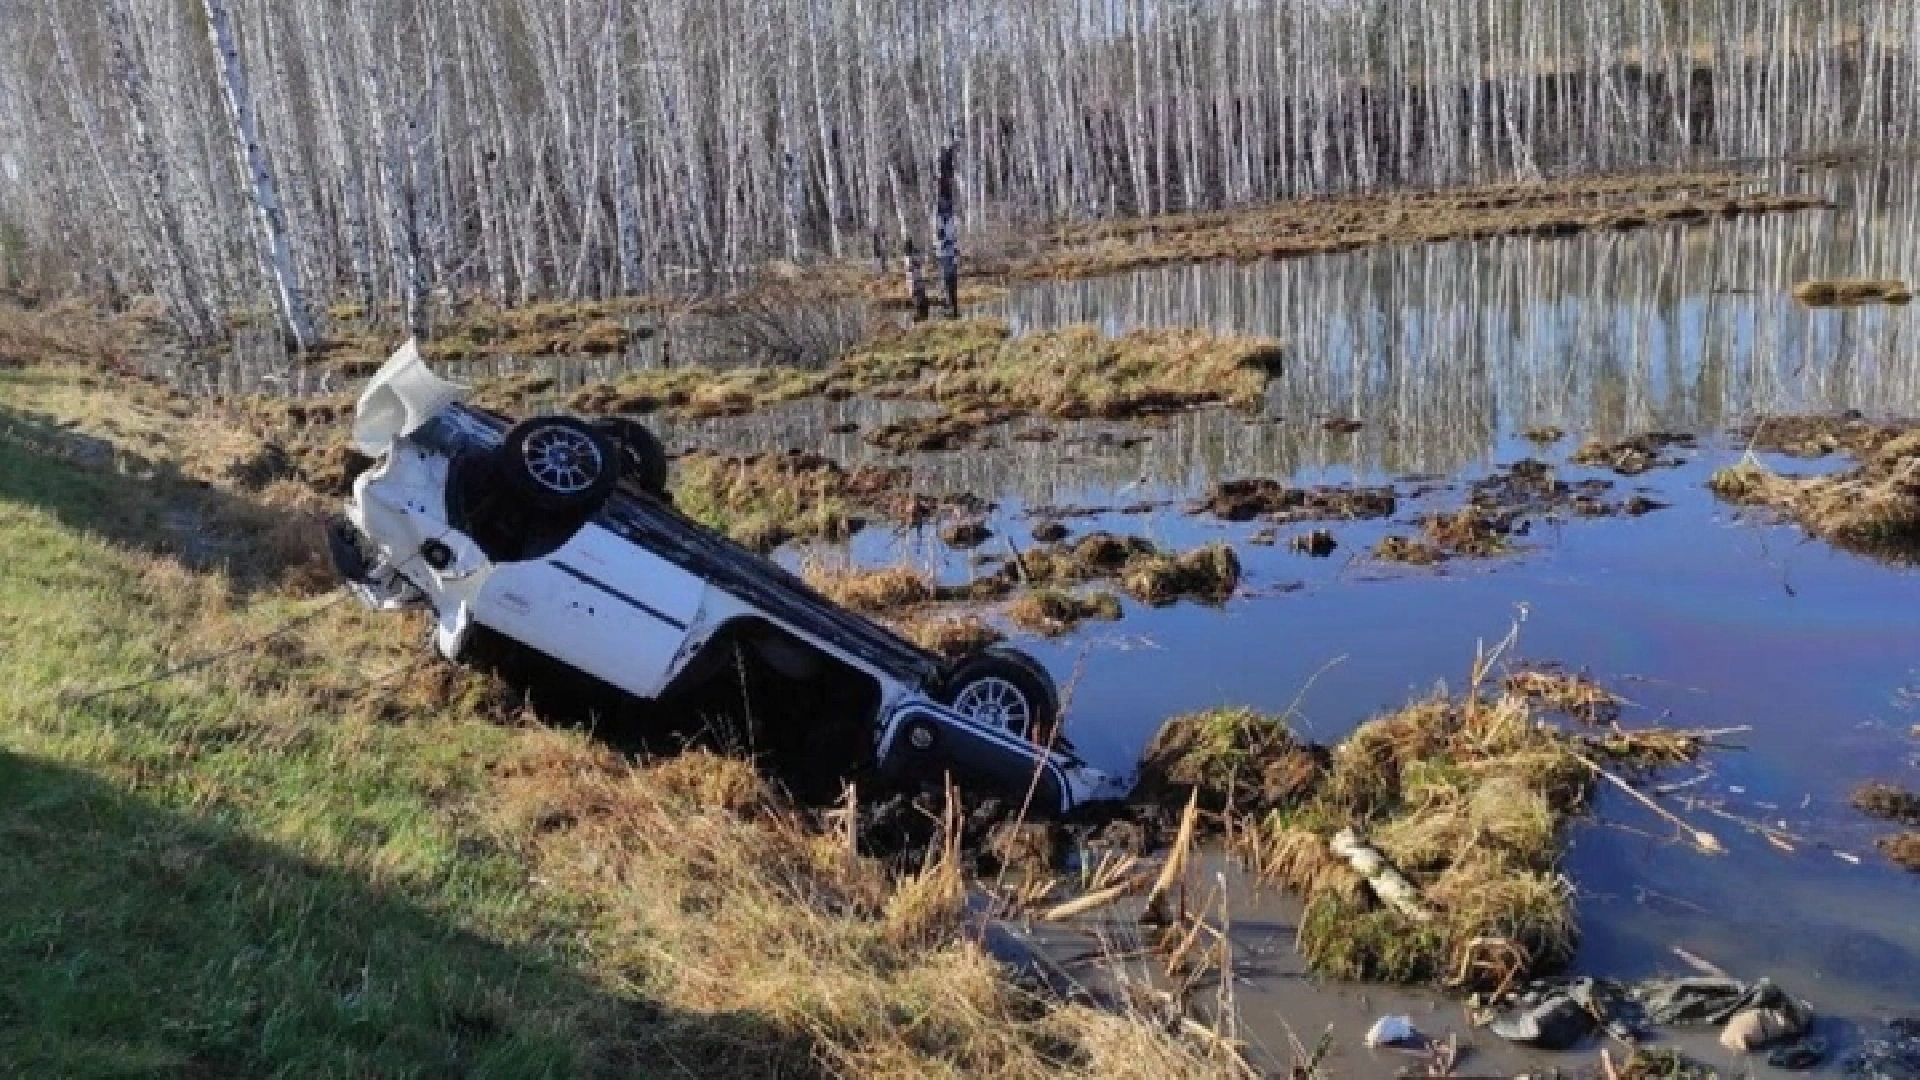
(1073,373)
(1052,611)
(1873,508)
(1467,799)
(328,816)
(876,591)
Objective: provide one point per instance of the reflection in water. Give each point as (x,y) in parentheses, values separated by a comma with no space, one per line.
(1441,346)
(1443,350)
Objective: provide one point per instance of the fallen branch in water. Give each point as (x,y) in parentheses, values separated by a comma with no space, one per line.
(1705,841)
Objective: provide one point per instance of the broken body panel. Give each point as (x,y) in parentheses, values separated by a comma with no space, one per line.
(631,595)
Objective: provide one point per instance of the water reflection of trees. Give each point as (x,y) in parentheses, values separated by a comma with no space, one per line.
(1440,346)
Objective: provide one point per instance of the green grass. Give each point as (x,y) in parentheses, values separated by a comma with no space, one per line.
(328,855)
(197,880)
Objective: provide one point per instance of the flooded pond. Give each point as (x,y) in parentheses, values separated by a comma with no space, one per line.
(1446,354)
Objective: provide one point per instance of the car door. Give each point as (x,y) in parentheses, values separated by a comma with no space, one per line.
(599,603)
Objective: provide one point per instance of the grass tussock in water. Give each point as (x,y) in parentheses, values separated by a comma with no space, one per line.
(1851,293)
(871,591)
(1209,573)
(766,500)
(1350,223)
(1873,508)
(1887,802)
(1467,800)
(327,853)
(1903,849)
(1071,373)
(950,636)
(1053,611)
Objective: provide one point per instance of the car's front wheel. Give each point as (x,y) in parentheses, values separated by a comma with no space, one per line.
(1005,688)
(559,464)
(639,452)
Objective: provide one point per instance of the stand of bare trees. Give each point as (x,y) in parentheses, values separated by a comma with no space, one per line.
(249,154)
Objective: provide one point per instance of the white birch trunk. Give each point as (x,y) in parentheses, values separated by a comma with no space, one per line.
(278,250)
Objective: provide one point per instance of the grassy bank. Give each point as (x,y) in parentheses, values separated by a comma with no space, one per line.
(323,854)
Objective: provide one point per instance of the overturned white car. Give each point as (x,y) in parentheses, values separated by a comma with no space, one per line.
(556,534)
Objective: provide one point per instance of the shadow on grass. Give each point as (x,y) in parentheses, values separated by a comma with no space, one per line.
(151,506)
(138,942)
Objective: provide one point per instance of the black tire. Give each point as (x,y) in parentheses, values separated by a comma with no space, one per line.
(558,464)
(1005,687)
(642,459)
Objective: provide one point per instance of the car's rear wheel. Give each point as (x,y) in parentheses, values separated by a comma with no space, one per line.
(1005,688)
(558,463)
(638,451)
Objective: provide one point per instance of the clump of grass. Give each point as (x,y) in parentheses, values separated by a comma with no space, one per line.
(1402,549)
(1633,455)
(1210,573)
(884,590)
(1054,611)
(951,636)
(1234,760)
(1564,692)
(1469,531)
(1072,373)
(936,433)
(1870,509)
(1887,803)
(1263,497)
(1468,800)
(1663,1063)
(766,500)
(1852,292)
(1903,849)
(698,392)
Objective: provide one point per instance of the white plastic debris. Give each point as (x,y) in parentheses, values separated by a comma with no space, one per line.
(1391,1031)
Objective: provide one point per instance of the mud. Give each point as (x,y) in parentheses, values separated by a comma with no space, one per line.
(1267,499)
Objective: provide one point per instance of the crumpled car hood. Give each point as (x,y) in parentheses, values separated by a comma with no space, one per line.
(403,395)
